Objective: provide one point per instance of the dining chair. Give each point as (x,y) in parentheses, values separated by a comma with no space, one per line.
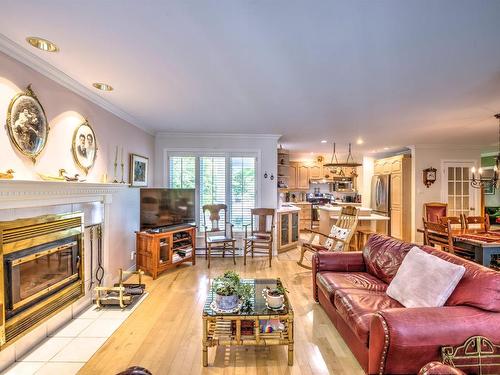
(455,221)
(338,239)
(219,235)
(436,234)
(479,222)
(434,210)
(260,238)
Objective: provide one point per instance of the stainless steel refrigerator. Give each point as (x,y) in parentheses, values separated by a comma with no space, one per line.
(380,200)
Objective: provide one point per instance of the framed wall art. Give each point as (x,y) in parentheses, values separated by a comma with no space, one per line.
(138,176)
(84,146)
(27,125)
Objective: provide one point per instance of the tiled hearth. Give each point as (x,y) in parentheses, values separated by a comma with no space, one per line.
(68,348)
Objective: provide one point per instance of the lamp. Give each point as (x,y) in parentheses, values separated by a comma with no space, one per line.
(479,181)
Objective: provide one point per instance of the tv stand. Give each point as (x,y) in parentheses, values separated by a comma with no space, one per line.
(163,248)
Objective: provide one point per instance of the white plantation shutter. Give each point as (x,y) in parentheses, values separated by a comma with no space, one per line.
(212,183)
(221,178)
(242,190)
(182,172)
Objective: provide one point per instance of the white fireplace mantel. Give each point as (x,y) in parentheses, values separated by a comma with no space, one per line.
(24,193)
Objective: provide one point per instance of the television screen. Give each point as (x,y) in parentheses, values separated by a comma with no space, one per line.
(164,207)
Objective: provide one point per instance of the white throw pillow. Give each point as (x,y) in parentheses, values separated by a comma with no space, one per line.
(424,280)
(338,233)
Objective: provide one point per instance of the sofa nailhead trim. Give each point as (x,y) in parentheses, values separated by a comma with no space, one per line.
(386,344)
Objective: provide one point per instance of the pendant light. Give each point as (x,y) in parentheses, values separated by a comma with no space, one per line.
(479,181)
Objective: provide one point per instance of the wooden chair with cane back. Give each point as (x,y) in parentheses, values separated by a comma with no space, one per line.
(476,222)
(260,238)
(219,235)
(338,239)
(434,210)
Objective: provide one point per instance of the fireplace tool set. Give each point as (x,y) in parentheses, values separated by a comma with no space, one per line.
(121,293)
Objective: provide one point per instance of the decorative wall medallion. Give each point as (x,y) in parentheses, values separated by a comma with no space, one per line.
(84,146)
(27,124)
(138,170)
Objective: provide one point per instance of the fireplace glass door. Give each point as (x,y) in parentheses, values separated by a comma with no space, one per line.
(40,273)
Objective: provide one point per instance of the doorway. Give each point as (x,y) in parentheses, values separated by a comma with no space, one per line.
(456,189)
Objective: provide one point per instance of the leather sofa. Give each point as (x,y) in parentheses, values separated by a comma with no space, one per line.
(386,337)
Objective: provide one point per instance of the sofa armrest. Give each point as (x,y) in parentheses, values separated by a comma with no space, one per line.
(336,262)
(403,340)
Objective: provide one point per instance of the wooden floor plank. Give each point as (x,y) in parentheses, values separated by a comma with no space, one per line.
(164,333)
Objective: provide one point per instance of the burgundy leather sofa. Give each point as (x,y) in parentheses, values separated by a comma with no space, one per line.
(384,336)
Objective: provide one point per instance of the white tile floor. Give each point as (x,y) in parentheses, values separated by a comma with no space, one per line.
(66,350)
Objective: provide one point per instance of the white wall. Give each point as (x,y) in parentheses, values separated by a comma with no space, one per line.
(264,146)
(425,156)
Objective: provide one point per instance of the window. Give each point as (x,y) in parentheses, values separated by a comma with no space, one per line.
(223,178)
(182,172)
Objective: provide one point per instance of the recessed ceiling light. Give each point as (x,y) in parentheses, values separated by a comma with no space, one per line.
(323,141)
(102,86)
(386,148)
(43,44)
(359,141)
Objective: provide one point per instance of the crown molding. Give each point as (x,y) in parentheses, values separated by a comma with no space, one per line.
(218,135)
(31,60)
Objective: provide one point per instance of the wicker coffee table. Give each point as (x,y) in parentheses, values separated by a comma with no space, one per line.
(244,327)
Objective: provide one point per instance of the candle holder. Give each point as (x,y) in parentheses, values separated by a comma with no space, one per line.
(122,181)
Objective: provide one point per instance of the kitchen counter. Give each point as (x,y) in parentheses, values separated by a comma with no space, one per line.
(371,217)
(300,203)
(288,208)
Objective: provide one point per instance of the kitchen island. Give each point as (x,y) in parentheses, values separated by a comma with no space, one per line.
(328,215)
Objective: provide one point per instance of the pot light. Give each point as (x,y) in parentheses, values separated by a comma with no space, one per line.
(386,148)
(323,141)
(359,141)
(43,44)
(102,86)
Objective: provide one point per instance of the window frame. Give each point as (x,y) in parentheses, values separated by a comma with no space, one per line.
(228,154)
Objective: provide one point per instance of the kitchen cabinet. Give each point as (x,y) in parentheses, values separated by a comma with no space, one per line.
(399,168)
(303,176)
(315,171)
(288,229)
(292,175)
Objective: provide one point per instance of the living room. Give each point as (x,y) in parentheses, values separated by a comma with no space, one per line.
(249,187)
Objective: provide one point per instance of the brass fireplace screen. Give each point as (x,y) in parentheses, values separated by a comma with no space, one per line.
(42,263)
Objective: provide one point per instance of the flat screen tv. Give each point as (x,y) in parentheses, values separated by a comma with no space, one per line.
(166,207)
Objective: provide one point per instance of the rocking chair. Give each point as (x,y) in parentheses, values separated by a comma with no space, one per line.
(338,239)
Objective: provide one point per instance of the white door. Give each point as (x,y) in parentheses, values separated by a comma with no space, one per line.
(456,189)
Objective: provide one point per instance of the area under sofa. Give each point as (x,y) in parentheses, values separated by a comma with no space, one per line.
(386,337)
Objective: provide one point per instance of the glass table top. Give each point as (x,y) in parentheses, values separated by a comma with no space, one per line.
(257,303)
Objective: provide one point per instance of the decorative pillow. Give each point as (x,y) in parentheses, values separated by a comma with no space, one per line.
(337,233)
(424,280)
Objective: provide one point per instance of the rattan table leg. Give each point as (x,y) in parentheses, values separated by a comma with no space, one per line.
(204,344)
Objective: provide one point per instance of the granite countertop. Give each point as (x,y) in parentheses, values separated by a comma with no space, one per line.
(288,208)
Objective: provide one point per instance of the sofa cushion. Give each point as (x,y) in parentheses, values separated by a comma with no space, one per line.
(329,282)
(383,255)
(357,306)
(424,280)
(479,286)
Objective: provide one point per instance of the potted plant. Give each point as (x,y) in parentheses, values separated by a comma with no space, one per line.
(230,291)
(275,297)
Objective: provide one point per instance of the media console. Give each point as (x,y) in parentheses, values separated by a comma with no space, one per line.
(161,249)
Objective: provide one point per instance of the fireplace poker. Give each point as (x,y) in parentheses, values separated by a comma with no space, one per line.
(91,230)
(99,273)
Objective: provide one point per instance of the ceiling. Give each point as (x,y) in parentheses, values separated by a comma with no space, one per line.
(394,73)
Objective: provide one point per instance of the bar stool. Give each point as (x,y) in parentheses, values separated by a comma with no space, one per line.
(363,235)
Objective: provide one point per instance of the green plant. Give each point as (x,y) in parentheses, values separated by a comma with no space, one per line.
(230,283)
(278,291)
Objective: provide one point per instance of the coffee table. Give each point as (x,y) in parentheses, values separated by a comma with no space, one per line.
(226,329)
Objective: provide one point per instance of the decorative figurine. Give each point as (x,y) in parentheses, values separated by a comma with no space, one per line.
(8,175)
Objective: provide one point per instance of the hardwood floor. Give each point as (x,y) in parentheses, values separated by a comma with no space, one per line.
(164,332)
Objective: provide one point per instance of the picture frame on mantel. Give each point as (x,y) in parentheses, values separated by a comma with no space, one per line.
(138,170)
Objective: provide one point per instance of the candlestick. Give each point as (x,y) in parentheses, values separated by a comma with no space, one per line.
(122,181)
(115,179)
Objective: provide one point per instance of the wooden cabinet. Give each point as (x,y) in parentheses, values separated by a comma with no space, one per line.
(288,230)
(158,252)
(316,171)
(303,177)
(292,177)
(399,168)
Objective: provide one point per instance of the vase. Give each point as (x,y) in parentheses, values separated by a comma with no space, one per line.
(274,302)
(226,302)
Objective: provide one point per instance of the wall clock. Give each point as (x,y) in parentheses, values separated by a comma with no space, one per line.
(429,176)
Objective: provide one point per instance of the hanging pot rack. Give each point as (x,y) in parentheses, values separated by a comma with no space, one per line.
(349,163)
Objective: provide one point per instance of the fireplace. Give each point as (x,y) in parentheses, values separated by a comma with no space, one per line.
(42,267)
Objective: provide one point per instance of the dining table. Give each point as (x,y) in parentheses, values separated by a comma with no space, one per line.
(484,244)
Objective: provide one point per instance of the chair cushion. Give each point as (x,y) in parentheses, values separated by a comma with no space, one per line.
(357,306)
(339,234)
(424,280)
(383,255)
(329,282)
(214,239)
